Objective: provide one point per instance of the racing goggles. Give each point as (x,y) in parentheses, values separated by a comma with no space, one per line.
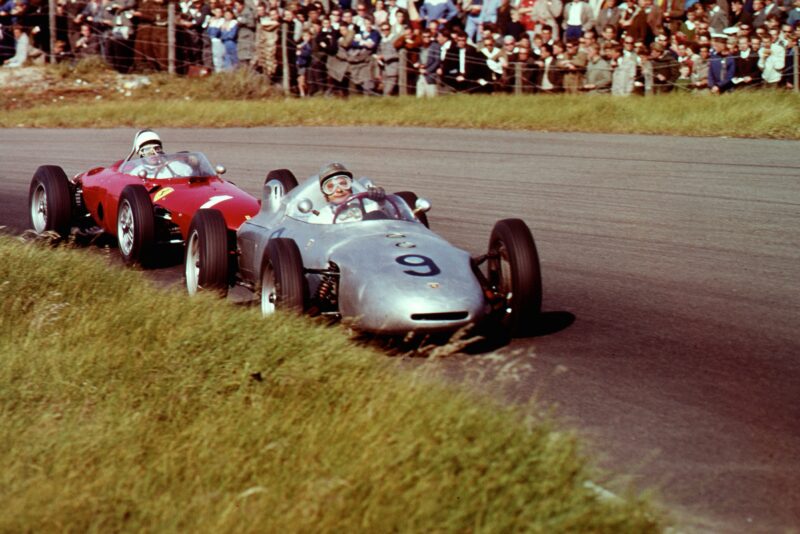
(333,183)
(152,149)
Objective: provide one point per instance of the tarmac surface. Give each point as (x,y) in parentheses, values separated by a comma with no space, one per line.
(671,271)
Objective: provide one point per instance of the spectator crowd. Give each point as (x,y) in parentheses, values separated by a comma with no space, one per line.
(427,47)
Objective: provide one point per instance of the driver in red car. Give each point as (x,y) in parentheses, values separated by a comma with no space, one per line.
(148,148)
(336,183)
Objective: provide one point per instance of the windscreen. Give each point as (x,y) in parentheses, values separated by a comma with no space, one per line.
(177,165)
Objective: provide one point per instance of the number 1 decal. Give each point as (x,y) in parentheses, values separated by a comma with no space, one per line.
(417,261)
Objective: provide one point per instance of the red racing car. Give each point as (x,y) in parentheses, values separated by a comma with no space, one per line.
(145,202)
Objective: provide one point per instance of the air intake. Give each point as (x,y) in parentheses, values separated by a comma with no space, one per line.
(446,316)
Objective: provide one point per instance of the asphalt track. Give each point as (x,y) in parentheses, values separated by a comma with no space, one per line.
(671,272)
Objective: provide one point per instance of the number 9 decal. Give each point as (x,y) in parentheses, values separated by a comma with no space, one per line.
(417,261)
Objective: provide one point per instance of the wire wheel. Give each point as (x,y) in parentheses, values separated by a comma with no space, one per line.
(39,209)
(192,263)
(125,227)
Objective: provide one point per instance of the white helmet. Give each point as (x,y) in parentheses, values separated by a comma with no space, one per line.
(146,143)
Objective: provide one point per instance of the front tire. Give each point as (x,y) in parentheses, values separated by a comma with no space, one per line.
(136,226)
(206,258)
(515,275)
(50,201)
(283,283)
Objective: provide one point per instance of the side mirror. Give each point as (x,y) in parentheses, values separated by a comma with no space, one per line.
(422,205)
(142,174)
(305,206)
(220,169)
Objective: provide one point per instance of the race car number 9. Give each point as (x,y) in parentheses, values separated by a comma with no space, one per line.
(416,261)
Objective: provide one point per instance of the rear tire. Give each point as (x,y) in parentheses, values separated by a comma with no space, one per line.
(136,226)
(206,258)
(283,283)
(515,274)
(285,177)
(50,201)
(411,199)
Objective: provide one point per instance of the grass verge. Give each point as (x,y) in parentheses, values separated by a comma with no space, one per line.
(242,99)
(127,408)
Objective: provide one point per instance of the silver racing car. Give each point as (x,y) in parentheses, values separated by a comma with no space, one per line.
(370,260)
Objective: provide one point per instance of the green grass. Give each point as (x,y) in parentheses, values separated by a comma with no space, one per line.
(243,99)
(125,408)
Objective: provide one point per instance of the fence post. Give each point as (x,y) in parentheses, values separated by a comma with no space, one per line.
(402,75)
(51,21)
(796,74)
(285,58)
(517,78)
(171,37)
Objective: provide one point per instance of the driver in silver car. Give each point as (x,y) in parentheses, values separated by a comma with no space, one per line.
(336,183)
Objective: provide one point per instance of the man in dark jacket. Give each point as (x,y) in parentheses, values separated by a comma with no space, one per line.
(464,68)
(665,69)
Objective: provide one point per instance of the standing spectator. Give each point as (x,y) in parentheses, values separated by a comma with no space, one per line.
(246,22)
(304,50)
(88,44)
(574,66)
(71,10)
(266,41)
(438,10)
(189,34)
(525,10)
(527,69)
(608,17)
(365,44)
(633,21)
(771,62)
(665,68)
(388,60)
(411,41)
(324,47)
(463,66)
(119,44)
(488,17)
(700,68)
(578,17)
(788,70)
(673,15)
(793,15)
(548,79)
(721,66)
(689,27)
(472,22)
(229,32)
(380,14)
(429,63)
(214,30)
(150,48)
(739,16)
(684,82)
(338,63)
(21,47)
(747,71)
(623,73)
(546,13)
(598,72)
(717,19)
(495,61)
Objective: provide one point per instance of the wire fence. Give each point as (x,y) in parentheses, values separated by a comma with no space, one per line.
(177,43)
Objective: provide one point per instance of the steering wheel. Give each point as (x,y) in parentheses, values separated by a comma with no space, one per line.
(341,208)
(164,166)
